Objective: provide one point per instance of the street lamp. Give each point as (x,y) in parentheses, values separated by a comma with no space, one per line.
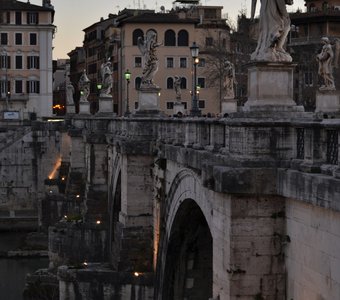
(127,76)
(6,85)
(99,87)
(194,54)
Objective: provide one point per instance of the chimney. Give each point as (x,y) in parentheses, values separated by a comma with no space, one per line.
(47,3)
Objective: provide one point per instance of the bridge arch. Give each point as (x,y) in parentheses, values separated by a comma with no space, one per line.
(114,206)
(185,264)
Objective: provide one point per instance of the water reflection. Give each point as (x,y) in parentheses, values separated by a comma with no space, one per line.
(13,271)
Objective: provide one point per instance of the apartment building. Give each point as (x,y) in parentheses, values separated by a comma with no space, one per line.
(321,18)
(176,30)
(115,38)
(26,33)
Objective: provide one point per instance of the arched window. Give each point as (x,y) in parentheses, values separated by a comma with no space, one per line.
(170,83)
(183,38)
(135,35)
(138,82)
(169,38)
(183,83)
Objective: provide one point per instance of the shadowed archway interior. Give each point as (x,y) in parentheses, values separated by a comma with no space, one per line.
(188,268)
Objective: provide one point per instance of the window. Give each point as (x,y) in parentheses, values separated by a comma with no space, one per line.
(169,105)
(201,82)
(5,62)
(4,89)
(185,105)
(32,18)
(136,105)
(92,68)
(91,52)
(138,62)
(183,62)
(169,62)
(18,38)
(135,35)
(138,82)
(33,62)
(33,38)
(183,38)
(5,17)
(238,48)
(201,103)
(308,79)
(201,63)
(183,83)
(210,13)
(169,38)
(4,38)
(18,62)
(33,87)
(18,17)
(209,41)
(18,86)
(170,83)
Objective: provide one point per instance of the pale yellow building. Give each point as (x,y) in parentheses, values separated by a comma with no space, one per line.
(176,30)
(26,33)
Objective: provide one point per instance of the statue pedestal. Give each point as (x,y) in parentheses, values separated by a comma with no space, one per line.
(327,101)
(148,101)
(105,104)
(84,107)
(70,109)
(229,105)
(270,87)
(179,108)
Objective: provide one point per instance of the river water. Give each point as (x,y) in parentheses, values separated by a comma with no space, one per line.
(13,271)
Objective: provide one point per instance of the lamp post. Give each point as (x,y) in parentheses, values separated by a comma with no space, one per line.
(127,76)
(194,106)
(5,62)
(99,87)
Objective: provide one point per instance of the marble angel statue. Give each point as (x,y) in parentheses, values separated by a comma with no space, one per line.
(177,87)
(274,26)
(229,79)
(84,87)
(325,60)
(148,47)
(106,77)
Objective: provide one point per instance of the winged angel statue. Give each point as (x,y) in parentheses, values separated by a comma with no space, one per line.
(148,47)
(106,76)
(326,59)
(274,26)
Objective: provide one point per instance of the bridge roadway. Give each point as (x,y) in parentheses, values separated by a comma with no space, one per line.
(242,207)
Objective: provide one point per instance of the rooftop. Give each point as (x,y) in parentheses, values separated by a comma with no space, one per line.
(21,6)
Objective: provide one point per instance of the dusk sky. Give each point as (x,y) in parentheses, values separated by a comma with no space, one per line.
(72,16)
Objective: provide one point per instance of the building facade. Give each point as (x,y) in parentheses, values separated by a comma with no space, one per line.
(176,31)
(321,19)
(26,34)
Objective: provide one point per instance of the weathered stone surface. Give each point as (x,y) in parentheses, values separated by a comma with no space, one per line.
(244,180)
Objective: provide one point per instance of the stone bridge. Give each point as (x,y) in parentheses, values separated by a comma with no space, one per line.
(241,207)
